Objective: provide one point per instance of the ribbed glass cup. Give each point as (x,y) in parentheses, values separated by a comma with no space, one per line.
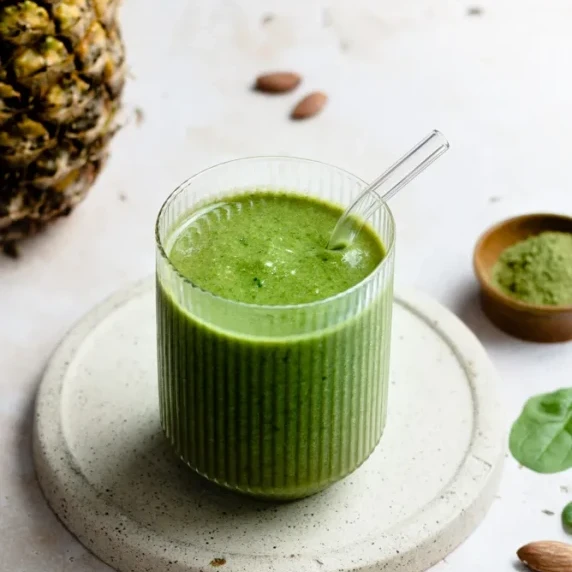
(272,401)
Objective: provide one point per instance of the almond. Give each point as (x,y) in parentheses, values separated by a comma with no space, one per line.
(547,556)
(278,82)
(310,105)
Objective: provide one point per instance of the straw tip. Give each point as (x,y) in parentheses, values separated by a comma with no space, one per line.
(444,140)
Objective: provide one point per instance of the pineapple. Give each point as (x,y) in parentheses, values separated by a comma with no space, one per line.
(61,75)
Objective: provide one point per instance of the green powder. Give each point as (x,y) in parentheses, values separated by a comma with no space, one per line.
(537,270)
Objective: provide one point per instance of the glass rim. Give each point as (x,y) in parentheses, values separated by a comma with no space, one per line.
(271,307)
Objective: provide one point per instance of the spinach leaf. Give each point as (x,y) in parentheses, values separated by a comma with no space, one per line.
(541,438)
(567,518)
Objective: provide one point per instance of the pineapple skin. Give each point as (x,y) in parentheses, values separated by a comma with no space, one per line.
(62,70)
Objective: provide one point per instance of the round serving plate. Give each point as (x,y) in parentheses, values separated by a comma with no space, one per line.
(109,474)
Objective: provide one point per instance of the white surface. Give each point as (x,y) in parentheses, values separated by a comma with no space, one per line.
(497,85)
(110,475)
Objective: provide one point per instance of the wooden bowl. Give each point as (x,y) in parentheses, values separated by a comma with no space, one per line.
(530,322)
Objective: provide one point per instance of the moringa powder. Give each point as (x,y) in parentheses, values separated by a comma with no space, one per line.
(537,270)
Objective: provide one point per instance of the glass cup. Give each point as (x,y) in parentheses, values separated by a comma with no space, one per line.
(275,402)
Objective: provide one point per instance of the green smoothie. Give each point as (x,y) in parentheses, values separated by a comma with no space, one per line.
(271,249)
(273,403)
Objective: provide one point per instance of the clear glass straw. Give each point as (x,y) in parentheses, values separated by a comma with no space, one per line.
(386,186)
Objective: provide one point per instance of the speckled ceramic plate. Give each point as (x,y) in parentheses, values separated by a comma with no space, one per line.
(108,473)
